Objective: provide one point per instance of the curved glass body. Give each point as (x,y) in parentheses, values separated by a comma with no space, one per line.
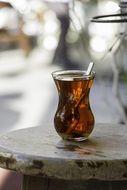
(74,119)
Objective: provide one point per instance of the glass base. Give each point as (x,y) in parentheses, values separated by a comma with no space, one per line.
(78,139)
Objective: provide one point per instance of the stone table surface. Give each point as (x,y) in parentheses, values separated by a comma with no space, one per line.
(41,152)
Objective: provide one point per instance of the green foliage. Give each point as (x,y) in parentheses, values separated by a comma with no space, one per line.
(123,76)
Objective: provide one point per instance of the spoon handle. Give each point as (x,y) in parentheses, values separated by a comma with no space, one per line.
(90,67)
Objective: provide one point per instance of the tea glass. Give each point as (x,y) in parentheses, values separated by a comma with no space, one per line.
(73,119)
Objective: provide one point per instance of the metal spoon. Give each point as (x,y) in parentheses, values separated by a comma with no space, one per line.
(75,114)
(89,69)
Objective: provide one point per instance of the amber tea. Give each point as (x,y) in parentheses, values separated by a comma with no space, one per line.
(74,119)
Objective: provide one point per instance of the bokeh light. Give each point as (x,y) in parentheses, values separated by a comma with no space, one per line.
(98,44)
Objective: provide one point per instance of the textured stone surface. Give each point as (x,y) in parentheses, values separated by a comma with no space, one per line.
(38,151)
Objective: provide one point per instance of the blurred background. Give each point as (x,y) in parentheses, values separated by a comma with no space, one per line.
(38,37)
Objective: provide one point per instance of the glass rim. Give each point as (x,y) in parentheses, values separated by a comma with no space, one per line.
(83,76)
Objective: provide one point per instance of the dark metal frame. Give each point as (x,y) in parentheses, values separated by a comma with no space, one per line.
(101,18)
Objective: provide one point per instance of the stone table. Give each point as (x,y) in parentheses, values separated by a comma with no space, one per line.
(47,162)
